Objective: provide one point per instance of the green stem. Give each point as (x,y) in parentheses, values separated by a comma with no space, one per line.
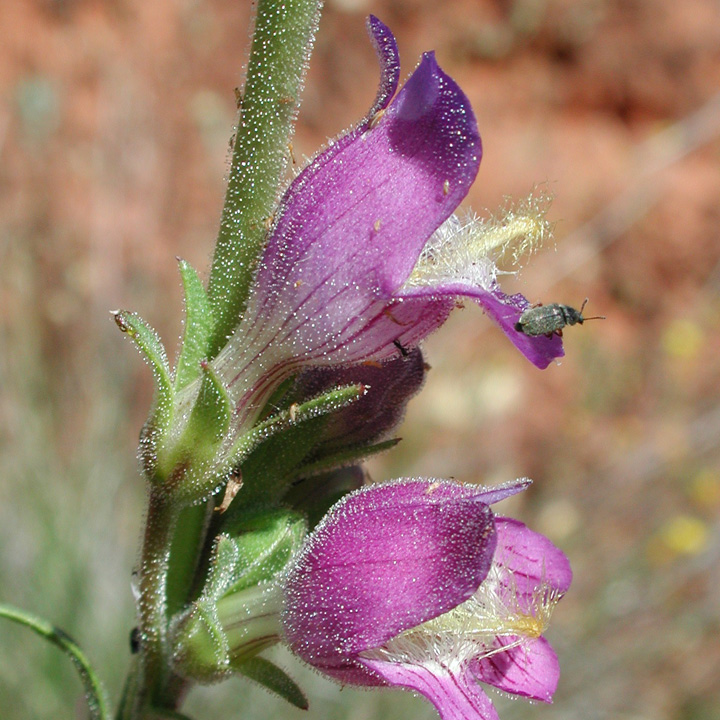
(282,41)
(152,606)
(94,691)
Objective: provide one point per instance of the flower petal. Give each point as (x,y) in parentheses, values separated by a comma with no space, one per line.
(530,558)
(386,49)
(505,310)
(385,559)
(455,695)
(352,225)
(390,385)
(530,669)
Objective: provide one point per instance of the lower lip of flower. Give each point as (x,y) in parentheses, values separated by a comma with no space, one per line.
(471,630)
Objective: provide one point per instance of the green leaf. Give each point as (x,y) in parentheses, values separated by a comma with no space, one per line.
(149,344)
(274,679)
(282,42)
(94,691)
(198,327)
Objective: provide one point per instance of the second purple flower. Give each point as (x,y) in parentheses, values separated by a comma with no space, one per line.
(417,584)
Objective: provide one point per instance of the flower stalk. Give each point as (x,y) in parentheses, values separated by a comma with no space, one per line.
(154,667)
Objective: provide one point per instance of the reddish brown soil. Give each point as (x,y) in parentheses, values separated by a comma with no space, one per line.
(114,122)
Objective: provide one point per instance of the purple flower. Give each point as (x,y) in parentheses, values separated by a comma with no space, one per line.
(390,386)
(416,584)
(364,252)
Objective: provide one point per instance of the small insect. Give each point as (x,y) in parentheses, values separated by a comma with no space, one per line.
(551,319)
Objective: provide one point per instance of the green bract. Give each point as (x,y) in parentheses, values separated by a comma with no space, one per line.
(236,615)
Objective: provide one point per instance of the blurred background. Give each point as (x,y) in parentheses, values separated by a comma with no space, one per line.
(115,118)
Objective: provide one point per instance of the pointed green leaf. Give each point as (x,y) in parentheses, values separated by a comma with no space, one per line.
(94,692)
(274,679)
(149,344)
(198,327)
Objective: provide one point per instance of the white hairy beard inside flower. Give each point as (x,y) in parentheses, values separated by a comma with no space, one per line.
(469,249)
(471,630)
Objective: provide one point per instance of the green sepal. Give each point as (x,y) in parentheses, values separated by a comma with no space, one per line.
(323,404)
(254,549)
(210,416)
(149,344)
(199,324)
(273,678)
(237,615)
(195,454)
(269,469)
(272,465)
(200,646)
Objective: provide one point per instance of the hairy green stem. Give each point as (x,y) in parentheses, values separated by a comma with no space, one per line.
(152,606)
(282,41)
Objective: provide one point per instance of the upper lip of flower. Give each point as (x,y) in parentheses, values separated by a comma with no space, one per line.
(351,226)
(388,558)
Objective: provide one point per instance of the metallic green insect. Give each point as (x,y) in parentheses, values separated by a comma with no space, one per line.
(551,319)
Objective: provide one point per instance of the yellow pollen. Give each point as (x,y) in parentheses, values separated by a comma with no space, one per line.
(529,626)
